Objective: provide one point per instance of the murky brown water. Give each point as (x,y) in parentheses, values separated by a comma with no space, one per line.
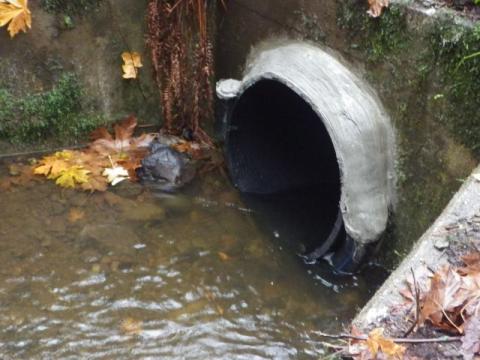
(127,274)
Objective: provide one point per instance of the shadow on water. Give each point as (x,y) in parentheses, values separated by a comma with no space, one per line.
(300,218)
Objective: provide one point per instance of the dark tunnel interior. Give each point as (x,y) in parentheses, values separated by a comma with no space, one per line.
(282,159)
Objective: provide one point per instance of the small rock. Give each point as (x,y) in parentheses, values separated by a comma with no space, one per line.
(195,216)
(115,265)
(56,224)
(141,211)
(117,238)
(176,203)
(46,243)
(441,243)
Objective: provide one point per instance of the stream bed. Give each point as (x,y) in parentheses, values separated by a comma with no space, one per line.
(135,274)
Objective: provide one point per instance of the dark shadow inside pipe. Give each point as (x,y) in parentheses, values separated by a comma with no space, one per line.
(282,159)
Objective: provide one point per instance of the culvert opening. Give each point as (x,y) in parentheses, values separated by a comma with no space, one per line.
(282,159)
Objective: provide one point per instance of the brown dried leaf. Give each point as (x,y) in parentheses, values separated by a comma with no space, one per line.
(472,262)
(377,342)
(75,214)
(470,294)
(444,297)
(123,141)
(375,7)
(223,256)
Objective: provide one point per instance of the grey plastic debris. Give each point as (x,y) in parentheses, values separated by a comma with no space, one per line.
(166,169)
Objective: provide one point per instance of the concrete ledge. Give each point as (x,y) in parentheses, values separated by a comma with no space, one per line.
(384,308)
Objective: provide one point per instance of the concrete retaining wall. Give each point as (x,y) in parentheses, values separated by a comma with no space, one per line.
(403,56)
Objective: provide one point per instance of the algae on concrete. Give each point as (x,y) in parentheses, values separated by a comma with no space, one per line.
(69,7)
(59,113)
(378,37)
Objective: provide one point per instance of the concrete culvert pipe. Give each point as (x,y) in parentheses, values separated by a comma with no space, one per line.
(299,122)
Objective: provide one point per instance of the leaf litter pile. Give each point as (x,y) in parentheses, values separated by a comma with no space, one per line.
(109,159)
(442,312)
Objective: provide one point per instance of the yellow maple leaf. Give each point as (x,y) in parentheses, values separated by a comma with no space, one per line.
(132,61)
(52,166)
(72,176)
(376,341)
(16,13)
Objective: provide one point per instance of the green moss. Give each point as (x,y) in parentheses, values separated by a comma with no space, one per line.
(460,79)
(56,113)
(378,37)
(70,7)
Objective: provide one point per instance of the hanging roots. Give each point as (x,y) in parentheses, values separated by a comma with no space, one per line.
(182,58)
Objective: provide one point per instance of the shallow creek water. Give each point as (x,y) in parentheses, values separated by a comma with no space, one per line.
(132,274)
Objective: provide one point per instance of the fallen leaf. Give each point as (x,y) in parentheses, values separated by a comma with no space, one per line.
(123,141)
(109,159)
(75,214)
(443,297)
(16,13)
(131,326)
(375,7)
(377,342)
(72,176)
(132,61)
(223,256)
(472,264)
(469,294)
(52,166)
(116,174)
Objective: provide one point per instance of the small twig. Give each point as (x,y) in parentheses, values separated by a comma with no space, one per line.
(442,339)
(448,317)
(417,305)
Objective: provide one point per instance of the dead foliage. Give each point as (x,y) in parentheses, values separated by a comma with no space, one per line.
(375,7)
(181,50)
(450,303)
(109,159)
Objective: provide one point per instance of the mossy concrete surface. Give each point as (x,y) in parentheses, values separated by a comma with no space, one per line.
(67,72)
(384,309)
(414,57)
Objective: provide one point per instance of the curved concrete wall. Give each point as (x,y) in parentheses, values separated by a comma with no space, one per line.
(355,120)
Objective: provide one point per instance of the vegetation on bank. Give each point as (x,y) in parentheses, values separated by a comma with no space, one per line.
(452,47)
(58,113)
